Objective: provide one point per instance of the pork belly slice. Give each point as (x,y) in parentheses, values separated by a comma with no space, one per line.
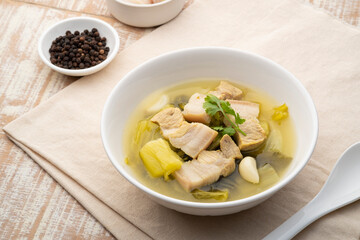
(205,170)
(229,148)
(255,135)
(194,111)
(227,91)
(245,109)
(169,119)
(192,138)
(194,174)
(217,158)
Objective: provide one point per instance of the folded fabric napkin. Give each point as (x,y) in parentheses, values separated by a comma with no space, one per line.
(63,134)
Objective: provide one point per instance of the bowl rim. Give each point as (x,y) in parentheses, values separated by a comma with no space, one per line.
(229,204)
(79,72)
(145,5)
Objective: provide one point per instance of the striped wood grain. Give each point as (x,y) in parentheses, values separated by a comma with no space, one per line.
(32,204)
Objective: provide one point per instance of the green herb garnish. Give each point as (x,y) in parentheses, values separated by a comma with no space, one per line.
(213,105)
(225,130)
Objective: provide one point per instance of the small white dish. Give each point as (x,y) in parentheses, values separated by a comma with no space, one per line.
(79,24)
(209,62)
(145,15)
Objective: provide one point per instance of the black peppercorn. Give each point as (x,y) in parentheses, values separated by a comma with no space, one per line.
(78,50)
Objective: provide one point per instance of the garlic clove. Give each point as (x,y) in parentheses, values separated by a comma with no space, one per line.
(248,170)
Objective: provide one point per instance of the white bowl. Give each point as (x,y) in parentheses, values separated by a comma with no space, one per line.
(79,24)
(209,62)
(145,15)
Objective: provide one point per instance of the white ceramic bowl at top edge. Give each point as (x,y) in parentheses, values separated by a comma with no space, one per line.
(145,15)
(209,62)
(78,24)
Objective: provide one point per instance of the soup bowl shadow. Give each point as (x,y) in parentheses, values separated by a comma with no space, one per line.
(209,62)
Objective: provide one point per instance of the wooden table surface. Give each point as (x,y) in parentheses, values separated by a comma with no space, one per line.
(32,204)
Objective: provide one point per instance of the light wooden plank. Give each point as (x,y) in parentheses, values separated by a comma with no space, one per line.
(345,10)
(32,204)
(98,7)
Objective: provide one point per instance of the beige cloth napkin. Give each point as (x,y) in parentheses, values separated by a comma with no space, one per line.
(63,134)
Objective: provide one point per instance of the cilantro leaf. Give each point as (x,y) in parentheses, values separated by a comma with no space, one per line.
(218,128)
(212,99)
(224,130)
(238,119)
(227,108)
(210,108)
(213,105)
(229,131)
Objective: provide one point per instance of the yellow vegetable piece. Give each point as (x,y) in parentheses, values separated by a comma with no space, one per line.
(159,159)
(212,194)
(280,113)
(126,160)
(274,142)
(145,131)
(152,165)
(268,176)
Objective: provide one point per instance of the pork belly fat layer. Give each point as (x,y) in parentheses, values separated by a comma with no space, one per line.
(192,138)
(205,170)
(229,148)
(169,120)
(227,91)
(194,111)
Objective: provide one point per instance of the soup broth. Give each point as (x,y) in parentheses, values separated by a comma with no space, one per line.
(281,136)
